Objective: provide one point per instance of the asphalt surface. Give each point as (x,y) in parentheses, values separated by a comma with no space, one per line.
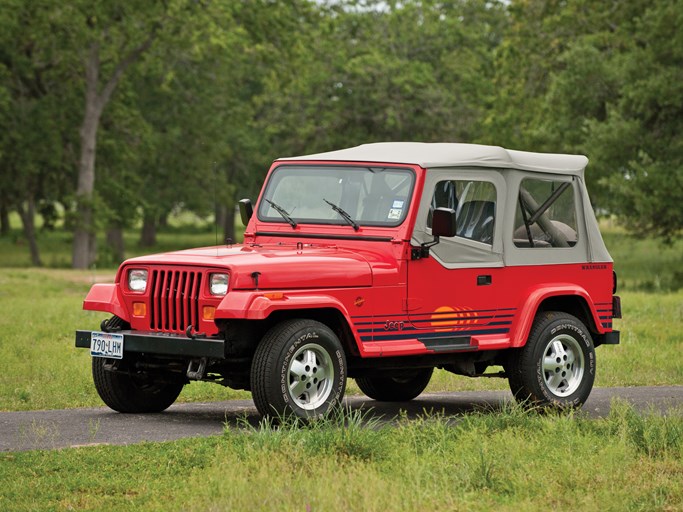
(32,430)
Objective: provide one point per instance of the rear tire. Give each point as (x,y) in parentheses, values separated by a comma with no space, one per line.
(128,393)
(396,388)
(299,369)
(556,367)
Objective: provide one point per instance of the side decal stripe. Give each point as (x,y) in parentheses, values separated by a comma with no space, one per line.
(391,337)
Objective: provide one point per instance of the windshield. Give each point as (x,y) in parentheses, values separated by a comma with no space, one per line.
(350,196)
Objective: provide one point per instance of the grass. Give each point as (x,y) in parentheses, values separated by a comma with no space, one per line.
(645,265)
(504,460)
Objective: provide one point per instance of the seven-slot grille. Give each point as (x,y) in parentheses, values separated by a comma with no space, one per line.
(174,303)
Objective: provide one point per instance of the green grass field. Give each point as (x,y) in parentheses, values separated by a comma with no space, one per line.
(509,461)
(185,231)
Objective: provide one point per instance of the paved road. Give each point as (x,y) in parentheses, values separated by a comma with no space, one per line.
(30,430)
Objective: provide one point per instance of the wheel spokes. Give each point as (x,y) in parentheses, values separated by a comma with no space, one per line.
(297,387)
(309,358)
(559,351)
(297,369)
(310,377)
(562,365)
(555,381)
(549,364)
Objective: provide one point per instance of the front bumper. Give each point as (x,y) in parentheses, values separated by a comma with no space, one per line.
(163,344)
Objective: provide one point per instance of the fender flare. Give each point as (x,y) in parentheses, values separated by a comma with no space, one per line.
(535,298)
(258,305)
(105,297)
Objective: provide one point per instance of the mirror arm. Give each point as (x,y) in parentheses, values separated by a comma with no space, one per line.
(418,253)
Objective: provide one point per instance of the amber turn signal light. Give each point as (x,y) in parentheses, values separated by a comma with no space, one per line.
(209,313)
(139,309)
(274,296)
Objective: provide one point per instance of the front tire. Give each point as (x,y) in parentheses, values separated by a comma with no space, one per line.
(556,367)
(299,369)
(396,388)
(129,393)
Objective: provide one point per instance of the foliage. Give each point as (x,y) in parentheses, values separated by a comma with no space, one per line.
(223,88)
(604,79)
(402,71)
(38,108)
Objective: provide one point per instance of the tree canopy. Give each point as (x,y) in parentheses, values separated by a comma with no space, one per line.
(123,112)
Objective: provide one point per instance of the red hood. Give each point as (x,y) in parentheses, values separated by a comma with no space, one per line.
(280,266)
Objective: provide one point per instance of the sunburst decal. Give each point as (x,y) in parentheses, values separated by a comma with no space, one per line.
(447,317)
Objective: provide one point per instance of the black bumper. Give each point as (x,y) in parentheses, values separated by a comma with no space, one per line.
(163,344)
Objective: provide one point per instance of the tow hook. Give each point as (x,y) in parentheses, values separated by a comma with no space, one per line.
(193,335)
(198,373)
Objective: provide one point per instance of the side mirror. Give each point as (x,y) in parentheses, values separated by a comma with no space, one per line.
(246,210)
(443,222)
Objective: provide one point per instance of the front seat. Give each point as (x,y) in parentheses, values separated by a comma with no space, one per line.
(475,220)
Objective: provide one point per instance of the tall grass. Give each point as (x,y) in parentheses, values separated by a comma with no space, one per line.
(504,460)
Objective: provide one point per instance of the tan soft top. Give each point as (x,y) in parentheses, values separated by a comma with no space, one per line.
(449,154)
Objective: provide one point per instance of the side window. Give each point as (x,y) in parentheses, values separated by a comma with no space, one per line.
(474,203)
(545,214)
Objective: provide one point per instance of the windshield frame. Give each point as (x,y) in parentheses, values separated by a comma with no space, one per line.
(336,220)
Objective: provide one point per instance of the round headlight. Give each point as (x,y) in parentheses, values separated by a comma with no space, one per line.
(218,284)
(137,280)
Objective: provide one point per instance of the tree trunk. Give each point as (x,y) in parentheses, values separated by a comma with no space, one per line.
(148,235)
(84,248)
(28,216)
(4,220)
(163,221)
(229,223)
(84,253)
(115,243)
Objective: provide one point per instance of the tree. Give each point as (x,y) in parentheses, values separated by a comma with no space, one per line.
(415,70)
(644,120)
(113,37)
(197,93)
(604,79)
(35,146)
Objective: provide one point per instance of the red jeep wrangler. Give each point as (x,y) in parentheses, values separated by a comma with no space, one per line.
(380,263)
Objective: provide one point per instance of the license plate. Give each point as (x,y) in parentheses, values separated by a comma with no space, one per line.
(106,344)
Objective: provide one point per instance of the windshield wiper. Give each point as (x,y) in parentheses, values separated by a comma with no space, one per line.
(282,212)
(344,215)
